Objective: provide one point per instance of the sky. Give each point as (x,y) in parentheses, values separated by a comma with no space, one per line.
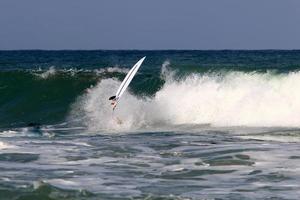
(152,24)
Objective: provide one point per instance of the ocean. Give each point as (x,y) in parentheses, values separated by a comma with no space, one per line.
(195,125)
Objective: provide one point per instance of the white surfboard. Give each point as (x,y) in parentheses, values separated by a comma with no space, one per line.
(126,82)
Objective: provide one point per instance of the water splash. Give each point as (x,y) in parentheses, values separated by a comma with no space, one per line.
(219,99)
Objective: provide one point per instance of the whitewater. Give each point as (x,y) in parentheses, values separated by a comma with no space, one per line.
(221,99)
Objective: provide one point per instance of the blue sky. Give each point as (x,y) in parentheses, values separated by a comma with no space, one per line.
(155,24)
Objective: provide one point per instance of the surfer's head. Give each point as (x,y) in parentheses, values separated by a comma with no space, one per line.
(113,98)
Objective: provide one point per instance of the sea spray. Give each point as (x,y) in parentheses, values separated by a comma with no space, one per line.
(228,99)
(44,75)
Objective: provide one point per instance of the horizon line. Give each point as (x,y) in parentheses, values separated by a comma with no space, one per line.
(267,49)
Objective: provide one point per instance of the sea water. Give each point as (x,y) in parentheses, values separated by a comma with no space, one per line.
(195,125)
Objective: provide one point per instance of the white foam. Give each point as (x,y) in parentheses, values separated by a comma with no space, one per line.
(229,99)
(8,133)
(61,182)
(112,70)
(4,145)
(50,72)
(278,138)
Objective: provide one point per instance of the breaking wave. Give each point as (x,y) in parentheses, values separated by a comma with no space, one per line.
(155,99)
(219,99)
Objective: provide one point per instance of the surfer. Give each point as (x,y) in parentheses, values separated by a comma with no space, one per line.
(125,83)
(113,100)
(114,104)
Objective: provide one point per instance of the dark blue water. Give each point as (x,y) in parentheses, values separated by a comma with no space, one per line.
(226,59)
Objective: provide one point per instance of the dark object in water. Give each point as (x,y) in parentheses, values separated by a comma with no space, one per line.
(112,98)
(34,125)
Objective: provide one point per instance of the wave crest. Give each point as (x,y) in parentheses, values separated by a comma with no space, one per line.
(224,99)
(112,70)
(46,74)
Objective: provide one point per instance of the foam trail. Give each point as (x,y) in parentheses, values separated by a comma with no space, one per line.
(228,99)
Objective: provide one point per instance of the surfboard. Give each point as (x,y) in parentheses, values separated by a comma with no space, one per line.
(126,82)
